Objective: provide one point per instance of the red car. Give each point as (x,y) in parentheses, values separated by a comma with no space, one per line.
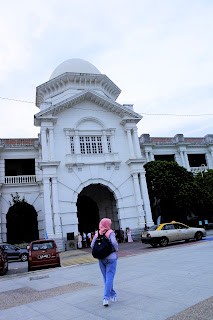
(3,261)
(43,253)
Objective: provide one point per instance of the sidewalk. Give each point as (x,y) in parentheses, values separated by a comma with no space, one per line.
(151,286)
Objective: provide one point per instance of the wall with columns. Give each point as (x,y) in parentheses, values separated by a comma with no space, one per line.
(77,169)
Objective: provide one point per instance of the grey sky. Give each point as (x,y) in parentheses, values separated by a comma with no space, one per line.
(158,52)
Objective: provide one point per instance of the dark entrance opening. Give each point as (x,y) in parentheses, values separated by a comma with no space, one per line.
(22,223)
(88,214)
(94,203)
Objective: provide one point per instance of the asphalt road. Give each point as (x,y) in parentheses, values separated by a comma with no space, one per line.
(17,267)
(125,249)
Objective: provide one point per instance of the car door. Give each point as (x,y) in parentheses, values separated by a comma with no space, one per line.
(12,251)
(183,231)
(169,231)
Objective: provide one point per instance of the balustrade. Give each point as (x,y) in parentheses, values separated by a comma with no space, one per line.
(20,179)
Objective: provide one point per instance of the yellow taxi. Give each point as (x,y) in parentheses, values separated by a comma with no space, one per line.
(164,233)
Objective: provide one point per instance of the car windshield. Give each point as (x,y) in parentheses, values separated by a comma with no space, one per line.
(43,245)
(153,228)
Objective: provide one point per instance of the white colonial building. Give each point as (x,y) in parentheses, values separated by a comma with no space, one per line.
(87,162)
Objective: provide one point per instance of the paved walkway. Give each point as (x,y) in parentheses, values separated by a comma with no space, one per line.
(175,283)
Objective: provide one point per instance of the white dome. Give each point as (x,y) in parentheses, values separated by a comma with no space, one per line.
(74,65)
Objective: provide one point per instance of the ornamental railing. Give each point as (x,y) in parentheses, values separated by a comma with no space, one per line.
(195,170)
(20,179)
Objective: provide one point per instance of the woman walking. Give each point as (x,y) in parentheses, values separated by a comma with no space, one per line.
(108,264)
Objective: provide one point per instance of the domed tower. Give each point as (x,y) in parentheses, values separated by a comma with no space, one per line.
(90,154)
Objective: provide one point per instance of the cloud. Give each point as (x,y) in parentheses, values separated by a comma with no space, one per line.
(158,52)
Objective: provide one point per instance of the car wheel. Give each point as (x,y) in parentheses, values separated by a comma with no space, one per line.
(154,244)
(198,236)
(163,242)
(24,257)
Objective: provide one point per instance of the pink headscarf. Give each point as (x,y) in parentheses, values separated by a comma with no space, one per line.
(105,225)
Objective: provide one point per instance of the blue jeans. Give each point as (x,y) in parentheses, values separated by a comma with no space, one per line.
(108,269)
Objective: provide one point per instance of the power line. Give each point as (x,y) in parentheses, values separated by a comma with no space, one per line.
(141,113)
(16,100)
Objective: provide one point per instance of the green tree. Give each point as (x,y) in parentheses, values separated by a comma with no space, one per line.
(204,183)
(173,187)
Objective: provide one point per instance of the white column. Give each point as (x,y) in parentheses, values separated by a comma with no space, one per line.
(104,143)
(136,142)
(0,219)
(44,144)
(112,141)
(139,201)
(68,147)
(147,156)
(56,213)
(47,208)
(152,158)
(145,196)
(52,149)
(211,151)
(209,160)
(129,136)
(77,143)
(186,161)
(182,159)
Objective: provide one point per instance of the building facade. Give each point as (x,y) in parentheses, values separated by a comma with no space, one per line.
(87,162)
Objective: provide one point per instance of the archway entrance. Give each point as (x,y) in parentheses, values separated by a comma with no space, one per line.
(22,223)
(94,203)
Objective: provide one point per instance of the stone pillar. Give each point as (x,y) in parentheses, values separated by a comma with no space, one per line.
(136,142)
(182,159)
(47,208)
(145,196)
(56,212)
(77,143)
(112,141)
(186,161)
(68,147)
(147,156)
(129,136)
(209,160)
(152,158)
(0,217)
(52,149)
(141,221)
(44,144)
(211,151)
(104,143)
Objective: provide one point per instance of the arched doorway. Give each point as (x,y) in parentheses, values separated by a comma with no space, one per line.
(22,223)
(94,203)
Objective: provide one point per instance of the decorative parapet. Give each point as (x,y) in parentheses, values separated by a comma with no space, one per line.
(19,142)
(177,139)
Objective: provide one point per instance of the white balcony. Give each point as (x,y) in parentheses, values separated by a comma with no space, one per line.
(20,179)
(195,170)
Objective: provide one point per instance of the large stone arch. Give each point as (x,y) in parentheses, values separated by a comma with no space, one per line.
(22,223)
(103,206)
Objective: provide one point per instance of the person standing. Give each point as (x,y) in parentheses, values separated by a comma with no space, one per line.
(79,241)
(88,239)
(108,264)
(129,235)
(84,236)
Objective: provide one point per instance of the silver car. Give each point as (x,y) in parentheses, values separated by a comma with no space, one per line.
(164,233)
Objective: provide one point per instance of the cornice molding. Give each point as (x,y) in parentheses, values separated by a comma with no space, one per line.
(70,80)
(127,114)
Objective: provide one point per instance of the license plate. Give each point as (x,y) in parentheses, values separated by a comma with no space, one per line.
(42,256)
